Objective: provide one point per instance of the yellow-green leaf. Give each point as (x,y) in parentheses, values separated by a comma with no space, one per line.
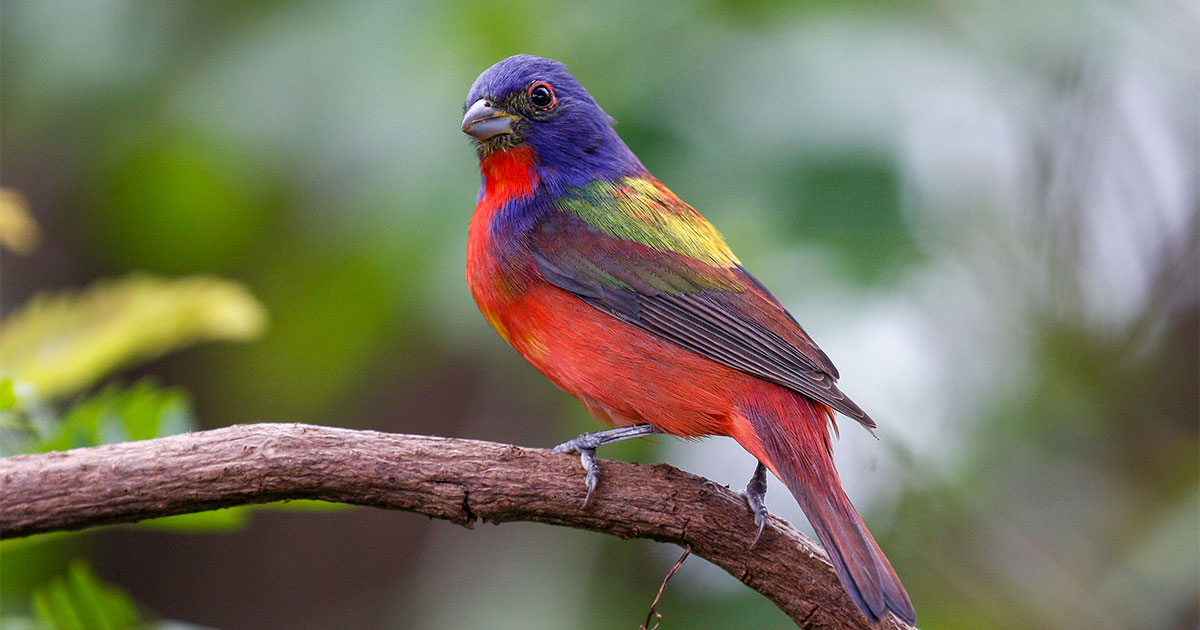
(62,343)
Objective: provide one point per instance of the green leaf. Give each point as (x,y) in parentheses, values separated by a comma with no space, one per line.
(308,505)
(211,521)
(58,344)
(80,600)
(228,519)
(141,412)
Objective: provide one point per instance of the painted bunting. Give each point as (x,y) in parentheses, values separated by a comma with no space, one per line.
(628,299)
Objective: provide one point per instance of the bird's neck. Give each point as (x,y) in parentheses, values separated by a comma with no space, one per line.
(518,189)
(524,172)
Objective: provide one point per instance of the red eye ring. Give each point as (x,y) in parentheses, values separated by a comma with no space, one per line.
(541,95)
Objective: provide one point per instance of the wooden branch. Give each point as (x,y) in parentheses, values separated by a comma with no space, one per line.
(458,480)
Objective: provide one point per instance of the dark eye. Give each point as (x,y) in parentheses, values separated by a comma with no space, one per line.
(541,95)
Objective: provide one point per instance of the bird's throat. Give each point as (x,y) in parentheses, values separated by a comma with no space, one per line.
(508,175)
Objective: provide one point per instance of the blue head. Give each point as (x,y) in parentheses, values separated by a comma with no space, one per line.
(535,102)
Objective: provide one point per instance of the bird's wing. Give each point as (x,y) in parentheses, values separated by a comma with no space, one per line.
(634,250)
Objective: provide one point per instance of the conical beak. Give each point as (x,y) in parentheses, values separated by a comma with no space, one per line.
(482,121)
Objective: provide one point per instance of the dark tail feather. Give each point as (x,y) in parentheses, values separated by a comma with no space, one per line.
(864,571)
(798,451)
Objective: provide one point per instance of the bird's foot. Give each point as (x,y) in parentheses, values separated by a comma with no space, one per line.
(586,445)
(756,493)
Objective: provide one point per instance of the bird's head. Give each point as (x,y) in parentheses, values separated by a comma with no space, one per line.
(535,102)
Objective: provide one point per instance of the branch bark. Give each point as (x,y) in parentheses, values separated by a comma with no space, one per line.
(461,481)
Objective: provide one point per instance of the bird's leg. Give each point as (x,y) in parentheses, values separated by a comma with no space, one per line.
(586,445)
(756,493)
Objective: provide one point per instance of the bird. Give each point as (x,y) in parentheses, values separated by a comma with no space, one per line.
(627,298)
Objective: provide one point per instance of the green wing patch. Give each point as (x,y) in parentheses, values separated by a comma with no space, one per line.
(642,210)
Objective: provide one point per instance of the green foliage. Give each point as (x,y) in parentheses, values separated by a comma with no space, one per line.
(79,600)
(113,414)
(63,343)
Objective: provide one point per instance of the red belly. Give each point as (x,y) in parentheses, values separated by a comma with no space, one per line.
(621,373)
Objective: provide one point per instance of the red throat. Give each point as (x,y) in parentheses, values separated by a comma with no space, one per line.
(507,175)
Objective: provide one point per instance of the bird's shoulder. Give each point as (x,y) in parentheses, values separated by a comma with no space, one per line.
(642,210)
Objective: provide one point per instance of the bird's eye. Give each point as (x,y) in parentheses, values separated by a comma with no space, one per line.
(541,96)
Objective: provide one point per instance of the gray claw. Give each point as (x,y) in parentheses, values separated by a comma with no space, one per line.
(756,492)
(761,519)
(588,459)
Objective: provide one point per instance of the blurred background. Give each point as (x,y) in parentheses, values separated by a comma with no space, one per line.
(985,212)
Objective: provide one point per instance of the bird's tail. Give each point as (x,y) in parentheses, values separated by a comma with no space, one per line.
(793,442)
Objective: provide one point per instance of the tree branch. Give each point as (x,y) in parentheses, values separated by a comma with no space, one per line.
(458,480)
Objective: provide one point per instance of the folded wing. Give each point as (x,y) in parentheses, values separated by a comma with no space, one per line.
(643,256)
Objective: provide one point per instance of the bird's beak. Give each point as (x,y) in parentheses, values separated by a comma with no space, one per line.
(482,121)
